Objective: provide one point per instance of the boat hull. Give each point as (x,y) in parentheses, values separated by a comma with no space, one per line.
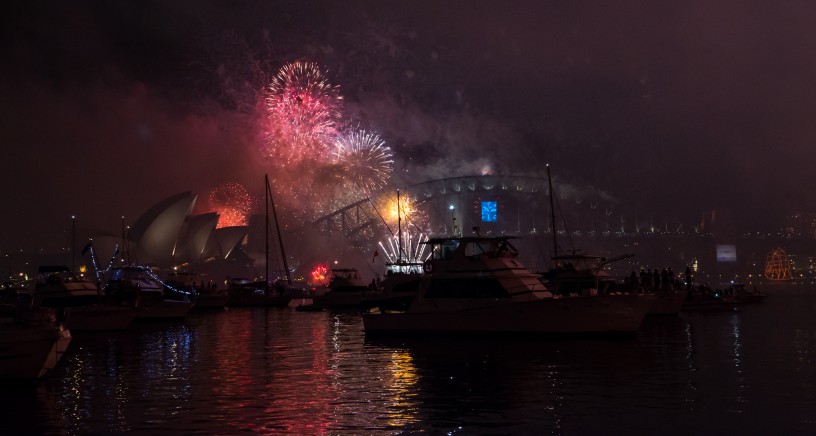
(29,352)
(165,309)
(215,301)
(608,314)
(258,300)
(99,318)
(670,303)
(344,299)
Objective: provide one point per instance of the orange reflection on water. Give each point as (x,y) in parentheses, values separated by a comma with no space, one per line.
(401,383)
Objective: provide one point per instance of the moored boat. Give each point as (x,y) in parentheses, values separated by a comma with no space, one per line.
(705,298)
(31,344)
(57,287)
(79,302)
(141,284)
(477,284)
(246,293)
(345,289)
(204,295)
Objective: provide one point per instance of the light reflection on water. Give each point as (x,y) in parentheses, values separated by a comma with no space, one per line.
(282,371)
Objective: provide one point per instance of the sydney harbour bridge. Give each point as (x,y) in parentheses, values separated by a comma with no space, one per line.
(586,219)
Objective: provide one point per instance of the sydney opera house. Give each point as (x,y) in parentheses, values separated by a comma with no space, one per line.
(169,237)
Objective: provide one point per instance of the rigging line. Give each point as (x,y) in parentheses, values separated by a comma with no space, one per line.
(377,212)
(564,222)
(280,237)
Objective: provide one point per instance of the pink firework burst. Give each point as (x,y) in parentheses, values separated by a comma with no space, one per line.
(232,202)
(364,159)
(304,109)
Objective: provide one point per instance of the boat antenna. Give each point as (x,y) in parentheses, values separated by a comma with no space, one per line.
(123,238)
(73,244)
(277,229)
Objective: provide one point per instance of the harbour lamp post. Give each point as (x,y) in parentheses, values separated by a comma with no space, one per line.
(453,219)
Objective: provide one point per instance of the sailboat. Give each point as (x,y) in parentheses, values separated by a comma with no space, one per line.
(243,292)
(576,273)
(583,274)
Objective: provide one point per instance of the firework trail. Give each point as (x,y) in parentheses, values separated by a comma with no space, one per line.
(364,159)
(232,202)
(414,250)
(303,110)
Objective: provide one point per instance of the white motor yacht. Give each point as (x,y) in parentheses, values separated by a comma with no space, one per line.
(57,287)
(141,284)
(79,302)
(477,284)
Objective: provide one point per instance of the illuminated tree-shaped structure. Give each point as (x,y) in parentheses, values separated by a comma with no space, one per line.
(777,265)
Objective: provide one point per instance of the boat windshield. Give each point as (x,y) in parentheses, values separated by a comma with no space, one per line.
(445,249)
(479,248)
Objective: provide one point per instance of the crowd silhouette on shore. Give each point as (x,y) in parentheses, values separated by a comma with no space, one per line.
(656,280)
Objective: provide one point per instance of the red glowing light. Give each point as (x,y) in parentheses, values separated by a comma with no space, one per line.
(320,275)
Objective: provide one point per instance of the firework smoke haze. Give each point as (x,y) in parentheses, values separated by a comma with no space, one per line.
(710,103)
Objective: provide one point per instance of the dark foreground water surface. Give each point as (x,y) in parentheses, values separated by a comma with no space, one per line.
(281,371)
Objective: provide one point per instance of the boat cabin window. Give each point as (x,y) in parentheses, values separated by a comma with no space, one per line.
(480,248)
(445,249)
(466,288)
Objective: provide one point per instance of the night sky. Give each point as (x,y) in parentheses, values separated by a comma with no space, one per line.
(676,109)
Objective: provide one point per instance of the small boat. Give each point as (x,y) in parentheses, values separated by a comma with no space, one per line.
(581,274)
(345,289)
(79,303)
(210,298)
(31,344)
(739,292)
(704,298)
(139,283)
(399,287)
(477,284)
(57,287)
(206,296)
(246,293)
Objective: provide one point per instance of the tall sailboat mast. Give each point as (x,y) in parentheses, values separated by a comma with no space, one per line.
(277,229)
(399,229)
(552,214)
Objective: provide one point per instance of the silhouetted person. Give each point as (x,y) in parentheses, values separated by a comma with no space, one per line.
(633,281)
(643,279)
(688,277)
(656,278)
(671,279)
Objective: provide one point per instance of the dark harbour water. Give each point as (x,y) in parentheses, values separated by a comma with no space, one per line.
(240,371)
